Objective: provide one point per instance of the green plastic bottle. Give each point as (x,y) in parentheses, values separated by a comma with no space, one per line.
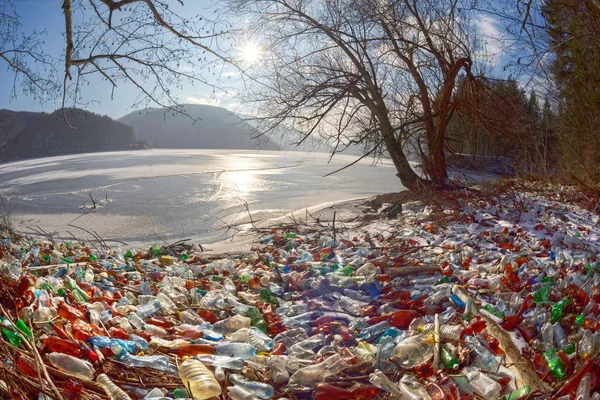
(494,311)
(541,295)
(444,279)
(556,365)
(79,295)
(448,358)
(346,271)
(23,328)
(557,309)
(180,394)
(519,393)
(13,337)
(268,297)
(257,319)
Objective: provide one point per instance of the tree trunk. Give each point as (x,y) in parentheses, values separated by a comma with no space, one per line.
(404,171)
(437,159)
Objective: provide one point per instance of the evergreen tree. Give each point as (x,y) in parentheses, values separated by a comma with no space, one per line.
(573,28)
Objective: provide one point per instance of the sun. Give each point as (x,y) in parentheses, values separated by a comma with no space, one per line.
(251,53)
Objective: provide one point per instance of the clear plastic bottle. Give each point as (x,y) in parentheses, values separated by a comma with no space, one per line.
(232,324)
(412,389)
(560,338)
(160,363)
(154,330)
(414,350)
(241,350)
(259,389)
(277,369)
(482,384)
(351,306)
(583,389)
(148,309)
(253,336)
(311,375)
(112,391)
(239,393)
(381,381)
(190,317)
(198,380)
(72,366)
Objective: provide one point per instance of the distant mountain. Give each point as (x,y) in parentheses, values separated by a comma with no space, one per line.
(13,122)
(31,135)
(214,128)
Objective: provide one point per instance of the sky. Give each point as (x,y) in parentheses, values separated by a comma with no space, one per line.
(98,97)
(47,15)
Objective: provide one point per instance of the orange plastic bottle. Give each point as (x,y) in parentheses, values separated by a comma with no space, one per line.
(69,312)
(55,344)
(192,350)
(591,324)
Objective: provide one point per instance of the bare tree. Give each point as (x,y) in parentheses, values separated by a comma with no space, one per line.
(23,53)
(146,43)
(150,44)
(367,72)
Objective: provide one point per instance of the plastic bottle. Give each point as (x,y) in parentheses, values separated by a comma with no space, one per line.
(257,319)
(234,363)
(402,319)
(560,338)
(520,393)
(548,335)
(160,363)
(583,389)
(198,380)
(241,350)
(58,345)
(555,363)
(192,350)
(414,350)
(311,375)
(482,384)
(154,330)
(190,317)
(484,360)
(261,390)
(232,324)
(72,366)
(380,380)
(412,389)
(148,309)
(253,336)
(374,331)
(112,391)
(277,369)
(239,393)
(448,358)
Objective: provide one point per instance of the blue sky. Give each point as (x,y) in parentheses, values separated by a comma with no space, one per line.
(47,15)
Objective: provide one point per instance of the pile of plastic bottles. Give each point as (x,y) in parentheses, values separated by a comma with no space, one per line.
(512,312)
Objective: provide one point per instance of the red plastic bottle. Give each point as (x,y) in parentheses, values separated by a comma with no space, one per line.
(25,365)
(402,319)
(510,322)
(59,345)
(72,390)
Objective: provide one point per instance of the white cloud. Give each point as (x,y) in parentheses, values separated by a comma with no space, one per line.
(203,100)
(490,37)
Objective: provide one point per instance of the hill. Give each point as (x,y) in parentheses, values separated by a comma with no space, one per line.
(31,135)
(214,128)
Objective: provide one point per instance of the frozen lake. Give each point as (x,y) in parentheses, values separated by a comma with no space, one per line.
(157,196)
